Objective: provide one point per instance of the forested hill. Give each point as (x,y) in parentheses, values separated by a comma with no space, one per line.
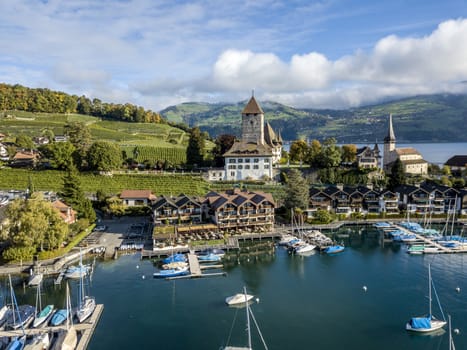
(437,118)
(17,97)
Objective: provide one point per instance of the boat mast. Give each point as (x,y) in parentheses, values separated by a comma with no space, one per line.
(429,287)
(247,318)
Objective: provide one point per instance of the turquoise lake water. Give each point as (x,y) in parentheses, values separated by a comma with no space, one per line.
(314,302)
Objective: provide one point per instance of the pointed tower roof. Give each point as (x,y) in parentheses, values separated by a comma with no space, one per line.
(269,135)
(390,136)
(252,107)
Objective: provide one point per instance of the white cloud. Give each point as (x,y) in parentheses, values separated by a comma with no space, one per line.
(154,52)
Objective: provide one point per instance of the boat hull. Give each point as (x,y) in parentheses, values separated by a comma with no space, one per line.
(435,325)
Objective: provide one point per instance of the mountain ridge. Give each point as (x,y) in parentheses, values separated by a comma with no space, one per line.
(422,118)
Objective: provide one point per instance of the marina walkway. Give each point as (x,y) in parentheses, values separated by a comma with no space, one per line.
(85,329)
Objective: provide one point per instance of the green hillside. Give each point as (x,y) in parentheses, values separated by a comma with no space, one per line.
(423,118)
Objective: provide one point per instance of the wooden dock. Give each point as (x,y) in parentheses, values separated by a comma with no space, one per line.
(85,329)
(193,262)
(425,240)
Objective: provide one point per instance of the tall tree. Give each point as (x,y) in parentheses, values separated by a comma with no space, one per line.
(397,176)
(298,151)
(222,144)
(297,191)
(78,134)
(104,156)
(73,195)
(195,149)
(330,154)
(314,152)
(349,153)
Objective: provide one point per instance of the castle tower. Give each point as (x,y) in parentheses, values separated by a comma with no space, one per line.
(389,144)
(253,123)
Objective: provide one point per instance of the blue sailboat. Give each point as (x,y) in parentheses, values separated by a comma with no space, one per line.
(427,323)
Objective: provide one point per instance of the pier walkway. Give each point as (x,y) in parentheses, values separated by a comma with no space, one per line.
(85,329)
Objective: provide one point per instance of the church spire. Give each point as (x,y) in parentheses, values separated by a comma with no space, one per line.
(390,137)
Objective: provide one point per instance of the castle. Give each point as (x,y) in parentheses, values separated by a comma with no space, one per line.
(260,148)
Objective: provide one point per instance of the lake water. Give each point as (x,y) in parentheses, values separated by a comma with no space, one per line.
(314,302)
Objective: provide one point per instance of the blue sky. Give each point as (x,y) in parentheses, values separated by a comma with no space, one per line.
(317,54)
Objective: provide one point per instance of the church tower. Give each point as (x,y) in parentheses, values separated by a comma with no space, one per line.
(253,123)
(389,144)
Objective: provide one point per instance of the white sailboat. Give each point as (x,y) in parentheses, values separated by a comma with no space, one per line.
(428,323)
(43,314)
(67,338)
(16,343)
(87,304)
(249,314)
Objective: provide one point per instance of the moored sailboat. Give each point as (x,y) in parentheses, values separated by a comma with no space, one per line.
(43,314)
(249,314)
(67,338)
(428,323)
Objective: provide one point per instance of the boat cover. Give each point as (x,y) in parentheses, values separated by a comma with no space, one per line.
(420,322)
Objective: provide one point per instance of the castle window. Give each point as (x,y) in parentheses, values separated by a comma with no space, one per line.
(240,160)
(232,173)
(247,167)
(240,167)
(232,160)
(247,160)
(256,160)
(256,166)
(266,166)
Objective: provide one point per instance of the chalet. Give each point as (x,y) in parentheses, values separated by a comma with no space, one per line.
(66,212)
(177,210)
(319,200)
(368,158)
(415,198)
(240,209)
(25,159)
(389,202)
(137,197)
(457,163)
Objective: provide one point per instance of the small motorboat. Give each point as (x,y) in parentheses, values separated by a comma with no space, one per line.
(174,258)
(334,249)
(209,258)
(179,271)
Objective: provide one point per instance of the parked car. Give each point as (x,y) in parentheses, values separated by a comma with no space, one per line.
(100,228)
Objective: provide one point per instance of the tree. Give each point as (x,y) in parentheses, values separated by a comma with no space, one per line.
(73,195)
(222,144)
(397,176)
(314,152)
(104,156)
(297,191)
(33,224)
(78,134)
(24,141)
(349,153)
(330,154)
(60,154)
(195,149)
(298,151)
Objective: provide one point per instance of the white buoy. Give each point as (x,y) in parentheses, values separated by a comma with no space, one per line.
(143,277)
(257,300)
(137,266)
(456,330)
(458,290)
(365,288)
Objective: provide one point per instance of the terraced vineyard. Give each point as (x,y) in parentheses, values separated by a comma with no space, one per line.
(160,183)
(173,155)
